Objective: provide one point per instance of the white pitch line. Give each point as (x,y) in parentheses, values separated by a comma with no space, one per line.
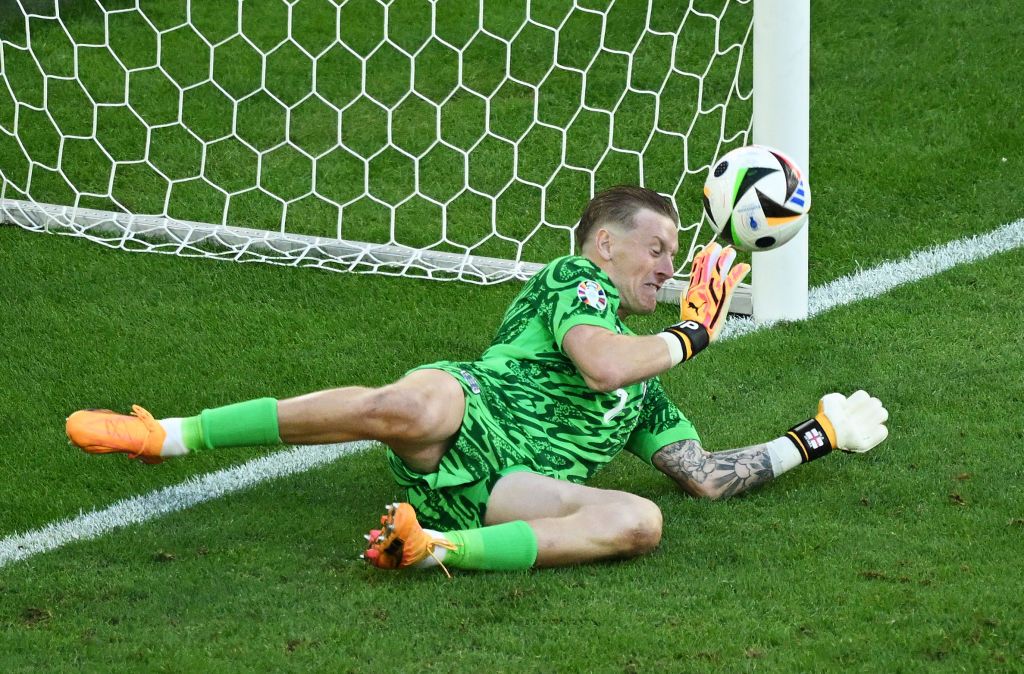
(192,491)
(196,490)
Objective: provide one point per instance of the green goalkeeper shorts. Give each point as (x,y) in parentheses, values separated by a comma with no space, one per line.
(558,428)
(455,496)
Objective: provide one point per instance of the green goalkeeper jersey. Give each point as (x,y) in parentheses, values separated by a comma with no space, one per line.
(527,403)
(528,407)
(581,429)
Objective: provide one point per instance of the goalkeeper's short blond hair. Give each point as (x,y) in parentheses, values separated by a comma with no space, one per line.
(617,206)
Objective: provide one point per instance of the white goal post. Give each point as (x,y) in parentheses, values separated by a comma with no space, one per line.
(438,139)
(782,66)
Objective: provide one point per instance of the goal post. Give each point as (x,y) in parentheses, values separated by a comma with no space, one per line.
(782,31)
(437,139)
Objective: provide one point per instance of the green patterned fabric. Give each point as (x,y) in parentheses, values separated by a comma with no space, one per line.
(528,408)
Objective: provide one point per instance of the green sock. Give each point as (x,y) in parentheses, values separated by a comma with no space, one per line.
(253,422)
(503,547)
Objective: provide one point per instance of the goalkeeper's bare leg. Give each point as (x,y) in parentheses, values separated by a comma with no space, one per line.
(531,521)
(574,523)
(416,416)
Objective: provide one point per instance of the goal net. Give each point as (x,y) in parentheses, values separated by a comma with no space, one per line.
(432,138)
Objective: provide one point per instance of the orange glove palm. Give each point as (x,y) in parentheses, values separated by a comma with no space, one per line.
(712,282)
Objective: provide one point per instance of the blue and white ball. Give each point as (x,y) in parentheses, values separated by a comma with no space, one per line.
(756,198)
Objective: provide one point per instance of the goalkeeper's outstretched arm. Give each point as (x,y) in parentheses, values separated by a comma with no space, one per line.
(854,424)
(608,360)
(714,475)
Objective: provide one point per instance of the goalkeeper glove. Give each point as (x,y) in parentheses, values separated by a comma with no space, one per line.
(854,424)
(705,304)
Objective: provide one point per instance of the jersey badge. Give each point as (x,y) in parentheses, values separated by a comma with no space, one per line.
(592,294)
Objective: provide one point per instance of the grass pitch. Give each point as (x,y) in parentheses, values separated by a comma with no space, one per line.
(906,559)
(901,559)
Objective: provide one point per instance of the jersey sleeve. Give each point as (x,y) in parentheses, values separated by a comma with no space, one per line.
(583,295)
(660,424)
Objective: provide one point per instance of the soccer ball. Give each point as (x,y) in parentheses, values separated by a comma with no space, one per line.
(756,198)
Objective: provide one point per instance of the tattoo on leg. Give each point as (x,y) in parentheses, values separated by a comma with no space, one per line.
(714,475)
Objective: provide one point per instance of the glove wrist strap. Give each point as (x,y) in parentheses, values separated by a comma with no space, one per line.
(813,438)
(693,337)
(826,425)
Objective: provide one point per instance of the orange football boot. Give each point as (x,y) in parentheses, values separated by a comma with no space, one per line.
(103,431)
(402,542)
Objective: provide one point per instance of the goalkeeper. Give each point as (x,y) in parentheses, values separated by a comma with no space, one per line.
(493,454)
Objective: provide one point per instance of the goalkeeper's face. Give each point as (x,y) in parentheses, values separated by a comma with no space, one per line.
(641,260)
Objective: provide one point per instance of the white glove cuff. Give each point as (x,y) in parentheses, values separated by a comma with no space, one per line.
(675,348)
(784,455)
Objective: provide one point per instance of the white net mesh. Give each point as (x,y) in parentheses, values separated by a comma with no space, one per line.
(437,138)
